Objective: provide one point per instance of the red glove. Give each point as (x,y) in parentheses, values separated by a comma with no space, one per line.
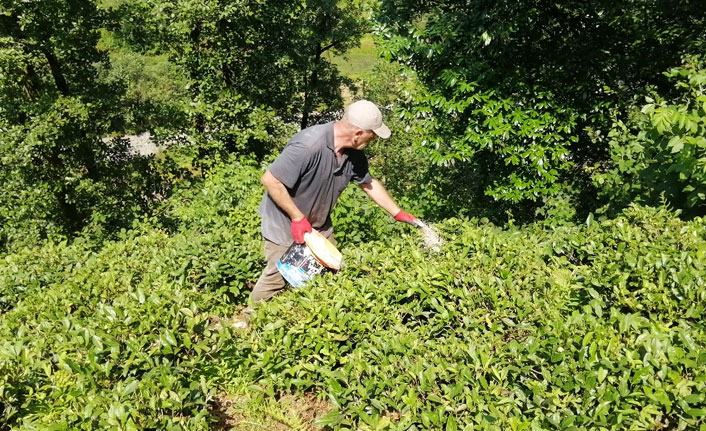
(299,228)
(407,218)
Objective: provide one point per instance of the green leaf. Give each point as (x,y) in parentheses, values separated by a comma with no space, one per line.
(676,144)
(330,420)
(602,373)
(696,413)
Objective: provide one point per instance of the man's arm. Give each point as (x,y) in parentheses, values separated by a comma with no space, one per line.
(376,191)
(279,194)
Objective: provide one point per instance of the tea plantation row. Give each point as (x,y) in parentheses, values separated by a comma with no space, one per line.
(597,326)
(120,336)
(588,327)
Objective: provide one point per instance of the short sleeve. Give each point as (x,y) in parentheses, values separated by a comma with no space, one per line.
(291,164)
(360,169)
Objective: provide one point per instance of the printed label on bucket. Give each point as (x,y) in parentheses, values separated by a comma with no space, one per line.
(298,265)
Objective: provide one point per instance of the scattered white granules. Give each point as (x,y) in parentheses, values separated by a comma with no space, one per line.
(431,239)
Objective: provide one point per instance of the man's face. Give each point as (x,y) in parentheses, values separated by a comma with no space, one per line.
(363,138)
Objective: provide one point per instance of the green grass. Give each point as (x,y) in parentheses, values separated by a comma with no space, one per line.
(111,4)
(359,61)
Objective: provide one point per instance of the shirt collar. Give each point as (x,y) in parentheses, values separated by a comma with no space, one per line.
(330,138)
(330,144)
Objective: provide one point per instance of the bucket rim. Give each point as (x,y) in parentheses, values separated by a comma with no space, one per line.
(314,240)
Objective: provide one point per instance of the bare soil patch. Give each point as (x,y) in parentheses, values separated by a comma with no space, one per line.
(288,412)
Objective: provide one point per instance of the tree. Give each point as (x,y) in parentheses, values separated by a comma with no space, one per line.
(57,172)
(513,88)
(271,54)
(48,49)
(659,152)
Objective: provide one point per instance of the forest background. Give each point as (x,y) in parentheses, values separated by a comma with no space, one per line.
(507,117)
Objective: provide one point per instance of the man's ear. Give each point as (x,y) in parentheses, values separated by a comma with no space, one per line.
(357,135)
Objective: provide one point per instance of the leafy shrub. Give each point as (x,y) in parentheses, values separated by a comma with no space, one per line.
(453,164)
(578,327)
(155,90)
(229,124)
(591,326)
(114,337)
(508,99)
(60,176)
(423,187)
(356,221)
(661,149)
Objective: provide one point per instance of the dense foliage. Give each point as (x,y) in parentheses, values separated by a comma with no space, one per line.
(58,173)
(593,326)
(512,88)
(660,152)
(116,337)
(122,276)
(585,327)
(74,74)
(271,54)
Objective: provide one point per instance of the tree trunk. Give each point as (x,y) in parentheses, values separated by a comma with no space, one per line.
(72,219)
(30,82)
(69,213)
(305,111)
(195,36)
(55,68)
(309,90)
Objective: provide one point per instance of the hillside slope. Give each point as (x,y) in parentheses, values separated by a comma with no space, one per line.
(595,326)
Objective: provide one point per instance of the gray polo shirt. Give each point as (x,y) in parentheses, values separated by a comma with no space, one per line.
(314,178)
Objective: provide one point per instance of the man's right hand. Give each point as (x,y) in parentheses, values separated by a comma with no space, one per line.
(299,228)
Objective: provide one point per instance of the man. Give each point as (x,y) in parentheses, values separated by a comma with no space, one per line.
(304,182)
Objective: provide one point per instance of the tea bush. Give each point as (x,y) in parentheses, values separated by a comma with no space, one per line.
(113,337)
(591,326)
(578,327)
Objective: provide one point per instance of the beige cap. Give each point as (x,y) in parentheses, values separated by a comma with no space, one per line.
(367,116)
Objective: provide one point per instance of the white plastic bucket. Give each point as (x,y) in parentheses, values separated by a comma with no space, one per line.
(301,262)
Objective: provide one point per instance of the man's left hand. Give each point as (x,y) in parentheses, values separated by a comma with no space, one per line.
(407,218)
